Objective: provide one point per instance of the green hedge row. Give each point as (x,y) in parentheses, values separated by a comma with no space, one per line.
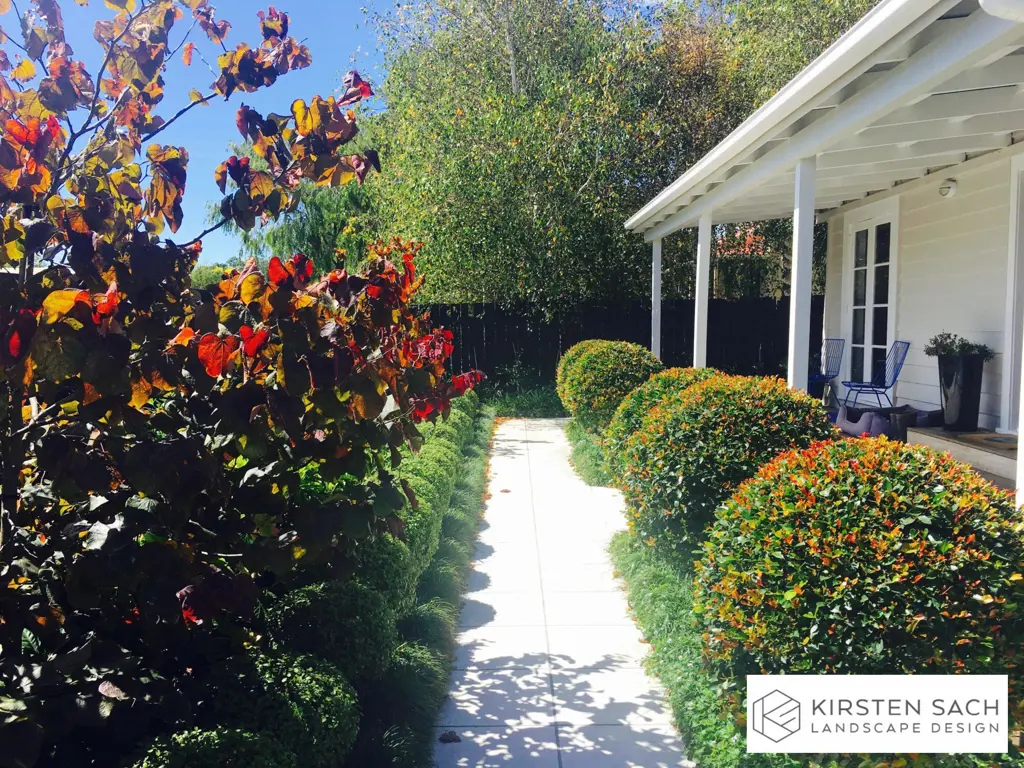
(350,667)
(760,542)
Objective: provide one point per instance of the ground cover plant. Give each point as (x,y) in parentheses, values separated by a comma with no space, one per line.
(154,434)
(587,456)
(594,380)
(695,448)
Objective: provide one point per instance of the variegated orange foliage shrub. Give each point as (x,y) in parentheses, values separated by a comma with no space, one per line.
(864,557)
(153,435)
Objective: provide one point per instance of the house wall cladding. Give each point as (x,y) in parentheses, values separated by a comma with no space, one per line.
(745,336)
(951,275)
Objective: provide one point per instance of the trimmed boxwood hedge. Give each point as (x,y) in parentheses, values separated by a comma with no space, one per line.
(597,380)
(693,451)
(347,623)
(218,748)
(633,409)
(303,703)
(865,557)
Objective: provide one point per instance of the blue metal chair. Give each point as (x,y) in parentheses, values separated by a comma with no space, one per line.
(831,362)
(883,380)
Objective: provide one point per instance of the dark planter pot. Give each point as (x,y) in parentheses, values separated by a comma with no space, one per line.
(960,386)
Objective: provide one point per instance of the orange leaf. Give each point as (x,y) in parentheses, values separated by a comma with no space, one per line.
(185,335)
(216,353)
(186,55)
(142,391)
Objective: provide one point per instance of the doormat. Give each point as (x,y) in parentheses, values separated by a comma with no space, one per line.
(990,440)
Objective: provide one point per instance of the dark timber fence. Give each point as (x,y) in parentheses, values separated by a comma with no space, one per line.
(747,336)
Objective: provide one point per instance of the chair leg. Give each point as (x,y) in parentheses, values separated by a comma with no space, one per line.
(878,397)
(888,399)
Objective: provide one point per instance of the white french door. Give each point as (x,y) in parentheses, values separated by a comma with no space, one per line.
(870,319)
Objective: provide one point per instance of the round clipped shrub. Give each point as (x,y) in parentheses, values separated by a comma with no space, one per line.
(443,453)
(387,566)
(693,450)
(468,403)
(347,623)
(447,432)
(220,748)
(865,557)
(597,381)
(568,360)
(463,424)
(433,479)
(301,702)
(637,404)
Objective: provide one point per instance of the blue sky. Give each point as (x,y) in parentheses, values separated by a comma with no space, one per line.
(338,38)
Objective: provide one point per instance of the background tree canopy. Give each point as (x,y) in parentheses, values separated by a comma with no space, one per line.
(520,134)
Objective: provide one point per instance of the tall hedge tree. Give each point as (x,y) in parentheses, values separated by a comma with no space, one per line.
(519,134)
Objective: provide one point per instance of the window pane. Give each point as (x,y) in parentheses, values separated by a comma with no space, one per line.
(880,327)
(860,287)
(857,364)
(860,249)
(878,364)
(883,234)
(882,284)
(858,326)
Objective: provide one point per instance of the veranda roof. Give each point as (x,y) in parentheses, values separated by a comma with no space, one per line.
(914,87)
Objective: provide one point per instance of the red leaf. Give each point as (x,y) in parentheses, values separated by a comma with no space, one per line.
(466,381)
(106,303)
(277,273)
(253,341)
(216,353)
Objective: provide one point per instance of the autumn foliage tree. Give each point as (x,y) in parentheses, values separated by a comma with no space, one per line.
(152,432)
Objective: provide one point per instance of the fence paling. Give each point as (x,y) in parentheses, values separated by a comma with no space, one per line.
(746,336)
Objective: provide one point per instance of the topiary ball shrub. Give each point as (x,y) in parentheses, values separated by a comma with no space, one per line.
(568,360)
(632,411)
(220,748)
(462,423)
(347,623)
(596,382)
(468,402)
(865,557)
(301,702)
(694,450)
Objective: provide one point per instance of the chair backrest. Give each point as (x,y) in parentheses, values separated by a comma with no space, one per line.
(893,364)
(832,357)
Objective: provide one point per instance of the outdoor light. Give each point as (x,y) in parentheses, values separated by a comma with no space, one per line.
(947,188)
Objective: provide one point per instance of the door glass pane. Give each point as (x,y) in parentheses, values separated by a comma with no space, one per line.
(857,364)
(860,249)
(883,234)
(882,284)
(880,327)
(860,287)
(878,364)
(858,326)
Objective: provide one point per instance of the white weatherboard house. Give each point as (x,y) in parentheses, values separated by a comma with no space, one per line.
(907,137)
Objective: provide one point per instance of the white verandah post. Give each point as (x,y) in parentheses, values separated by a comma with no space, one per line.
(800,283)
(1020,440)
(656,299)
(700,319)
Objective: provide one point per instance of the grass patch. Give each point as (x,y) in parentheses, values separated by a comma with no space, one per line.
(661,596)
(537,403)
(587,457)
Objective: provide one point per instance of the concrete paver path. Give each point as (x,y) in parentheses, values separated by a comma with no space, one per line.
(548,671)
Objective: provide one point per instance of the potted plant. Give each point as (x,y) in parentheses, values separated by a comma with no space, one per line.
(961,364)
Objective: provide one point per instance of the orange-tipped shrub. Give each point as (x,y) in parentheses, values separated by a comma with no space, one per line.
(632,411)
(865,557)
(694,450)
(594,383)
(568,360)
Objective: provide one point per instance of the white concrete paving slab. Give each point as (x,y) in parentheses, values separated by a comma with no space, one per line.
(549,665)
